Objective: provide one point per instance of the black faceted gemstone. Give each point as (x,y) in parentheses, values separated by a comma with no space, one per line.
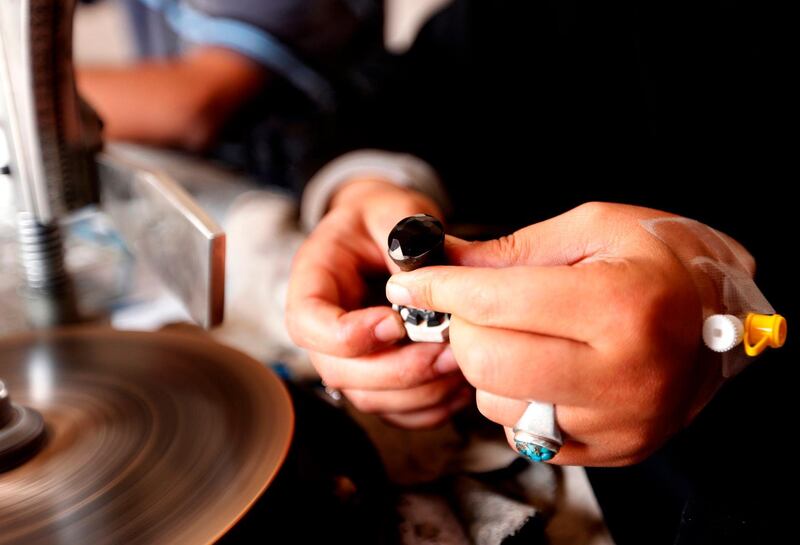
(417,241)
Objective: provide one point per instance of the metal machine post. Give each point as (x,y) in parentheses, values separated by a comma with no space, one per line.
(57,166)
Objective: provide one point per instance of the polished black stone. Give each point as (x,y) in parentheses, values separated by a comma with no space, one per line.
(417,241)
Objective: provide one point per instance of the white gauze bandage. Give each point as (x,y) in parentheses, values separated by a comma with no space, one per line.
(722,270)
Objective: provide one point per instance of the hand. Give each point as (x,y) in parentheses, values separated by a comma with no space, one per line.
(587,311)
(353,348)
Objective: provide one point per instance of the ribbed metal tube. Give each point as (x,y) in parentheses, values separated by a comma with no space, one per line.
(41,251)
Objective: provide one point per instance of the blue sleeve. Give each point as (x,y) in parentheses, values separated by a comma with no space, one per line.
(302,40)
(313,28)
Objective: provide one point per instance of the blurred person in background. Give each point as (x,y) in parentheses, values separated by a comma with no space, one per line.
(254,84)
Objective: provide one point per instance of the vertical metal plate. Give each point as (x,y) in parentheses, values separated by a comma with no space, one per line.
(163,225)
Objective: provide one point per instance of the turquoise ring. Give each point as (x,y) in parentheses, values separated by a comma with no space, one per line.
(536,434)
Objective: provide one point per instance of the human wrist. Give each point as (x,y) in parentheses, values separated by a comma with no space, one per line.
(365,191)
(722,272)
(363,168)
(359,189)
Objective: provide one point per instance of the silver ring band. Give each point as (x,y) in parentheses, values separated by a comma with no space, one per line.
(536,434)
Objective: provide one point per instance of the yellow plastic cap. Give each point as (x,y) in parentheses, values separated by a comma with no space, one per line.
(763,330)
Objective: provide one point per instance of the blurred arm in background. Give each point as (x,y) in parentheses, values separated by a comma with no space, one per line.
(180,102)
(254,84)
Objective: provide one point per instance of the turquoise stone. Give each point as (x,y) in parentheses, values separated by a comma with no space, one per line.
(535,453)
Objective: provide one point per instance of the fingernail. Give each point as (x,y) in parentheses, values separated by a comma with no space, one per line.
(397,294)
(445,362)
(390,329)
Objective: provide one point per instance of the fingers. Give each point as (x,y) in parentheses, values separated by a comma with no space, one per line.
(524,365)
(326,280)
(570,302)
(324,327)
(396,369)
(328,277)
(590,438)
(574,451)
(575,422)
(419,398)
(500,409)
(433,417)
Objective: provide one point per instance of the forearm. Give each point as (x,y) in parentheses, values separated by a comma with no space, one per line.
(176,103)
